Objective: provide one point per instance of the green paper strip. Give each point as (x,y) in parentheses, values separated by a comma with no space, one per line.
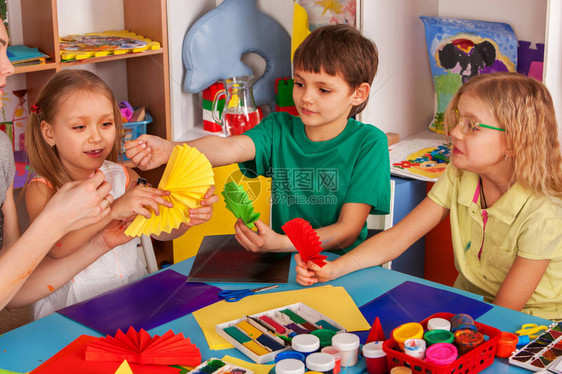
(293,316)
(326,325)
(237,335)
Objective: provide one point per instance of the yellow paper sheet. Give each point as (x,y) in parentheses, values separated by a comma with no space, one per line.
(124,368)
(300,27)
(256,368)
(333,302)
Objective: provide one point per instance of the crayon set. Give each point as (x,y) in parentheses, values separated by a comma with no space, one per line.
(543,352)
(263,335)
(216,366)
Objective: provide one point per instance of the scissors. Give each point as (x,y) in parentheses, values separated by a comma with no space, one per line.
(531,329)
(235,295)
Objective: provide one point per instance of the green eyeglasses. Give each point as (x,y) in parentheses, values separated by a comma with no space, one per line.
(467,125)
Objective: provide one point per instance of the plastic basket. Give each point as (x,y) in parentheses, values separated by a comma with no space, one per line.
(474,361)
(132,130)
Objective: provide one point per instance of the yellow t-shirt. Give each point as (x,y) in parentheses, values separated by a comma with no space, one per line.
(518,224)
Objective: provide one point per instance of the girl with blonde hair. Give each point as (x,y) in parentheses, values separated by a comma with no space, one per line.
(502,191)
(74,130)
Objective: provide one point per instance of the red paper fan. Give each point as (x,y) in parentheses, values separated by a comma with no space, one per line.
(140,348)
(305,240)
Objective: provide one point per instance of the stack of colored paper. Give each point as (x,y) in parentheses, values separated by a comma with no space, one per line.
(305,240)
(238,202)
(140,348)
(187,176)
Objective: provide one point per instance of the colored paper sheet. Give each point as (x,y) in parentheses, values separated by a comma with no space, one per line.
(188,176)
(21,53)
(222,259)
(300,27)
(71,360)
(124,368)
(414,302)
(333,302)
(144,304)
(256,368)
(2,371)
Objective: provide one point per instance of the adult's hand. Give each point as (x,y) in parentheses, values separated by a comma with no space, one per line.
(80,203)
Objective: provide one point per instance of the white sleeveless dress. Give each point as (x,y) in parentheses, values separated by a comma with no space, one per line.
(117,267)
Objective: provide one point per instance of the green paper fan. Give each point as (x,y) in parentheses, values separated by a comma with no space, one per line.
(238,202)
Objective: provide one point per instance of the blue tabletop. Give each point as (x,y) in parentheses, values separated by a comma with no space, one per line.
(27,347)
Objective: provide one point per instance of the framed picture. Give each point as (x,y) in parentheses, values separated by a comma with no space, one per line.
(330,12)
(462,48)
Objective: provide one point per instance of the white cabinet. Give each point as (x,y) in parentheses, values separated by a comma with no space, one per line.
(402,98)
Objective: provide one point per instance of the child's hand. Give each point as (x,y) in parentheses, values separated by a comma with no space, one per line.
(264,240)
(148,151)
(310,273)
(137,201)
(201,215)
(114,234)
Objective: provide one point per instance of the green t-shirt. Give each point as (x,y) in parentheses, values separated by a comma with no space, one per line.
(312,180)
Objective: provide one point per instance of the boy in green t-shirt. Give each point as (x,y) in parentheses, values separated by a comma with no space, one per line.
(325,167)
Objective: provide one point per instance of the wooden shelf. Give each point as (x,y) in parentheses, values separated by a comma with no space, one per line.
(147,82)
(95,60)
(37,67)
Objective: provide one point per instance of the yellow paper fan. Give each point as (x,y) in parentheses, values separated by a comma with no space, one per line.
(187,176)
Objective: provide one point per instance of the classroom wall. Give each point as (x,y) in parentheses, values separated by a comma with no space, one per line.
(402,96)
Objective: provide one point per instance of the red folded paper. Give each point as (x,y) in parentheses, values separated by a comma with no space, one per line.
(140,348)
(305,240)
(71,360)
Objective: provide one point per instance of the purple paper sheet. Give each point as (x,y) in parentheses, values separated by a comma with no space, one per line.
(414,302)
(146,303)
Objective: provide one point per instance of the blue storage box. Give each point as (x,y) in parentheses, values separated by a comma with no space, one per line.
(132,130)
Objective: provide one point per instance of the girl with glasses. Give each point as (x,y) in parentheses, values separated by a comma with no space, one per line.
(502,191)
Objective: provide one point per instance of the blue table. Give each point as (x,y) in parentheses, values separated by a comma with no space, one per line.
(25,348)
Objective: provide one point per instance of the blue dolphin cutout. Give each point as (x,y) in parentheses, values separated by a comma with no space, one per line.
(213,46)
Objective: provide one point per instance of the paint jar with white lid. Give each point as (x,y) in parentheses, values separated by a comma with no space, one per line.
(349,345)
(438,324)
(290,366)
(305,343)
(321,362)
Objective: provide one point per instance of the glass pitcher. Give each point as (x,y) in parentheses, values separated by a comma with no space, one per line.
(240,112)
